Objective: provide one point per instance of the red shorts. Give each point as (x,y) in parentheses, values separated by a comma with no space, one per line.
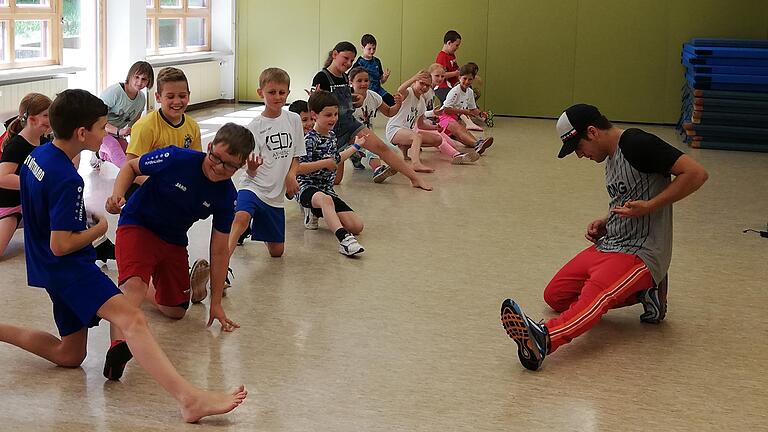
(141,253)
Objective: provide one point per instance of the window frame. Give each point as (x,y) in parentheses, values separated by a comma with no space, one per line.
(10,13)
(155,13)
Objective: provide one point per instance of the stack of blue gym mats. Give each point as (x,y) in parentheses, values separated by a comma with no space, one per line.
(725,96)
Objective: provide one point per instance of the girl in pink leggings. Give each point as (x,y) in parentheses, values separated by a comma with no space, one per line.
(126,102)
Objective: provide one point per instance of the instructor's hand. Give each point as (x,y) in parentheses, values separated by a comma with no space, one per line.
(595,230)
(217,313)
(633,209)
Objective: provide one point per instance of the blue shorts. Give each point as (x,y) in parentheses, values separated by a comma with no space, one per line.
(267,223)
(75,306)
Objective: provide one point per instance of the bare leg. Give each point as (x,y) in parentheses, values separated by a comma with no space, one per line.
(194,403)
(408,137)
(275,249)
(462,134)
(325,203)
(374,144)
(239,225)
(69,351)
(351,222)
(8,227)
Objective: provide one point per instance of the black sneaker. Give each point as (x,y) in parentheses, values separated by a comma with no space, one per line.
(117,357)
(244,235)
(654,302)
(105,250)
(357,160)
(532,338)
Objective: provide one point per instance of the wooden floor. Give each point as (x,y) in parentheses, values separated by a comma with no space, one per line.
(408,338)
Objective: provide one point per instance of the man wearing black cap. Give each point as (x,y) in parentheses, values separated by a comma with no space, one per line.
(632,245)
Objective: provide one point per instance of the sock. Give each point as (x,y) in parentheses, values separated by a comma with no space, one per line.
(341,233)
(117,356)
(116,342)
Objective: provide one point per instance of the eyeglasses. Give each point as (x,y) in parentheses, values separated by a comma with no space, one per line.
(218,161)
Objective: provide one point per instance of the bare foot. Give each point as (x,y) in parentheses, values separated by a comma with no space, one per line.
(421,184)
(422,168)
(207,403)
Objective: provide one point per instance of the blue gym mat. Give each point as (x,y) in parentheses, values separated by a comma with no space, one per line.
(717,61)
(752,43)
(711,51)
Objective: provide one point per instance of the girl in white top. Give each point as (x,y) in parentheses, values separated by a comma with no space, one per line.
(372,105)
(408,130)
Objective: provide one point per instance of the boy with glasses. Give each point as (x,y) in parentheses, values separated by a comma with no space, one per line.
(183,186)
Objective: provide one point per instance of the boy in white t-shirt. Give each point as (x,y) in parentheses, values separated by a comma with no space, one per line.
(408,130)
(373,104)
(461,100)
(271,169)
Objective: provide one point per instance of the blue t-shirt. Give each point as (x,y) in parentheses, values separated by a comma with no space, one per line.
(375,71)
(177,194)
(318,148)
(52,200)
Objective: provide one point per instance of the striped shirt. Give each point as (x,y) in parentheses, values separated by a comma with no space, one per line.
(640,170)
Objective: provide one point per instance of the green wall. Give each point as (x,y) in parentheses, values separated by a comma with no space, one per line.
(536,56)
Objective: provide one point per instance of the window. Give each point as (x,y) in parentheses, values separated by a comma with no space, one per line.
(29,33)
(177,26)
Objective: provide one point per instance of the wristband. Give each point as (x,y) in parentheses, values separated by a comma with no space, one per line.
(356,146)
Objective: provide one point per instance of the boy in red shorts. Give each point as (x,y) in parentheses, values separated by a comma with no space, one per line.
(183,186)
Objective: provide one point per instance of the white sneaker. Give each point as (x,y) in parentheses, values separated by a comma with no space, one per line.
(349,246)
(465,158)
(198,280)
(310,220)
(95,161)
(483,144)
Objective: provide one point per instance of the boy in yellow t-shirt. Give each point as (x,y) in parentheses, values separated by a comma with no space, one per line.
(168,125)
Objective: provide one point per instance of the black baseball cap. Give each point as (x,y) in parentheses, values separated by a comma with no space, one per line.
(572,122)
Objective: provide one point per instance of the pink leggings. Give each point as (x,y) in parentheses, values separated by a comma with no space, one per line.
(113,150)
(445,147)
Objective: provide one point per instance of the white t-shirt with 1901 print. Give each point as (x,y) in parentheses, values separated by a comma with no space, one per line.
(278,141)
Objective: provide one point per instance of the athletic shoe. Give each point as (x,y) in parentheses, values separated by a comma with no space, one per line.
(349,246)
(465,158)
(357,160)
(198,280)
(532,338)
(105,249)
(654,302)
(382,173)
(483,144)
(310,220)
(489,119)
(117,356)
(244,235)
(95,160)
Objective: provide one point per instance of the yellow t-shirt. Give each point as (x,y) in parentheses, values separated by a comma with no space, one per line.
(153,131)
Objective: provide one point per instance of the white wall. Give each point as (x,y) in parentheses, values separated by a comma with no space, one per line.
(223,39)
(126,37)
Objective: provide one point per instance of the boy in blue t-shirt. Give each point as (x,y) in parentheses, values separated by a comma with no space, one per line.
(183,186)
(317,172)
(377,75)
(58,234)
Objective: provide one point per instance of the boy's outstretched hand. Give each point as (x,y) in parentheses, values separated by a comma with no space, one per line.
(217,313)
(253,163)
(398,98)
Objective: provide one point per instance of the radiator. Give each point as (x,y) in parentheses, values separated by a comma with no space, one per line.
(11,94)
(204,81)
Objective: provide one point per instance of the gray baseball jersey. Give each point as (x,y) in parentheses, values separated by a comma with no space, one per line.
(640,170)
